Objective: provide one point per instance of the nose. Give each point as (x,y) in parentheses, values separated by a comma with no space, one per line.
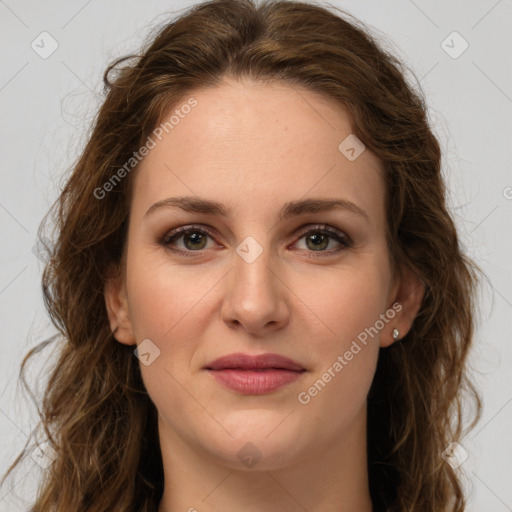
(255,298)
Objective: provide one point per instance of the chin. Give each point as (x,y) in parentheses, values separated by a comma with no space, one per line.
(260,454)
(258,442)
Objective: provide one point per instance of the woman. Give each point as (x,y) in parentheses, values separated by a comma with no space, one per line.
(262,298)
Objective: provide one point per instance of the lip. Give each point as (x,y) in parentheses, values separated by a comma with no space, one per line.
(255,375)
(258,362)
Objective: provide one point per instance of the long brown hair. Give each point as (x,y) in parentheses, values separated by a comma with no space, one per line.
(96,413)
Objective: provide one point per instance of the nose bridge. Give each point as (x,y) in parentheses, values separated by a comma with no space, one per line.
(254,297)
(252,270)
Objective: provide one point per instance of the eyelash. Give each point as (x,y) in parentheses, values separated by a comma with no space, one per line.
(323,229)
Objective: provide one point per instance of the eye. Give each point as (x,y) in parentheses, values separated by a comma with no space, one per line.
(317,239)
(194,239)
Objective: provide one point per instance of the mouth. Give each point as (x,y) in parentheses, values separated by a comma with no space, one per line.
(255,375)
(241,361)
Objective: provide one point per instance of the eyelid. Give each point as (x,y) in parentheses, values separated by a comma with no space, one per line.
(181,230)
(340,236)
(325,228)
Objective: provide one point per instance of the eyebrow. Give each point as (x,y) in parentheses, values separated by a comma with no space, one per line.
(313,205)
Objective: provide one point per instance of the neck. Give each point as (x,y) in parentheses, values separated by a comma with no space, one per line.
(334,479)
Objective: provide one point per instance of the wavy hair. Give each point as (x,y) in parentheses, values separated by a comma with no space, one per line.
(96,413)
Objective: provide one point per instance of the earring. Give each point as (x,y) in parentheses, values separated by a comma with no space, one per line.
(396,334)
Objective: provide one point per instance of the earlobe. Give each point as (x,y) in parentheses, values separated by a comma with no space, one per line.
(117,310)
(406,303)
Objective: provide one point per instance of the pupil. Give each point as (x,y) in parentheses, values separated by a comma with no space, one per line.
(319,240)
(194,237)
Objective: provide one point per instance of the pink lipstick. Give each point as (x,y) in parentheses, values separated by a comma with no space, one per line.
(255,375)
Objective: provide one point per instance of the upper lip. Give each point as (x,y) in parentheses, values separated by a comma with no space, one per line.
(248,362)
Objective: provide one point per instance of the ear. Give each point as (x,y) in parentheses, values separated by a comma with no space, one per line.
(117,308)
(407,297)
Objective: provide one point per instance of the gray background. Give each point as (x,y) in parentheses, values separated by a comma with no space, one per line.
(47,104)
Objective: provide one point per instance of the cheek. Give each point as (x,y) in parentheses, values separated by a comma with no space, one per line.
(162,296)
(345,302)
(334,394)
(168,306)
(350,309)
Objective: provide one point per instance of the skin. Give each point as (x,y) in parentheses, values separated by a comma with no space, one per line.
(253,147)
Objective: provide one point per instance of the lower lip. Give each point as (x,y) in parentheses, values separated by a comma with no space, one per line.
(255,382)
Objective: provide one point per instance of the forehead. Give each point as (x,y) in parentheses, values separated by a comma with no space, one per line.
(255,145)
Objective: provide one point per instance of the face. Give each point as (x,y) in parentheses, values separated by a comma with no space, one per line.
(260,270)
